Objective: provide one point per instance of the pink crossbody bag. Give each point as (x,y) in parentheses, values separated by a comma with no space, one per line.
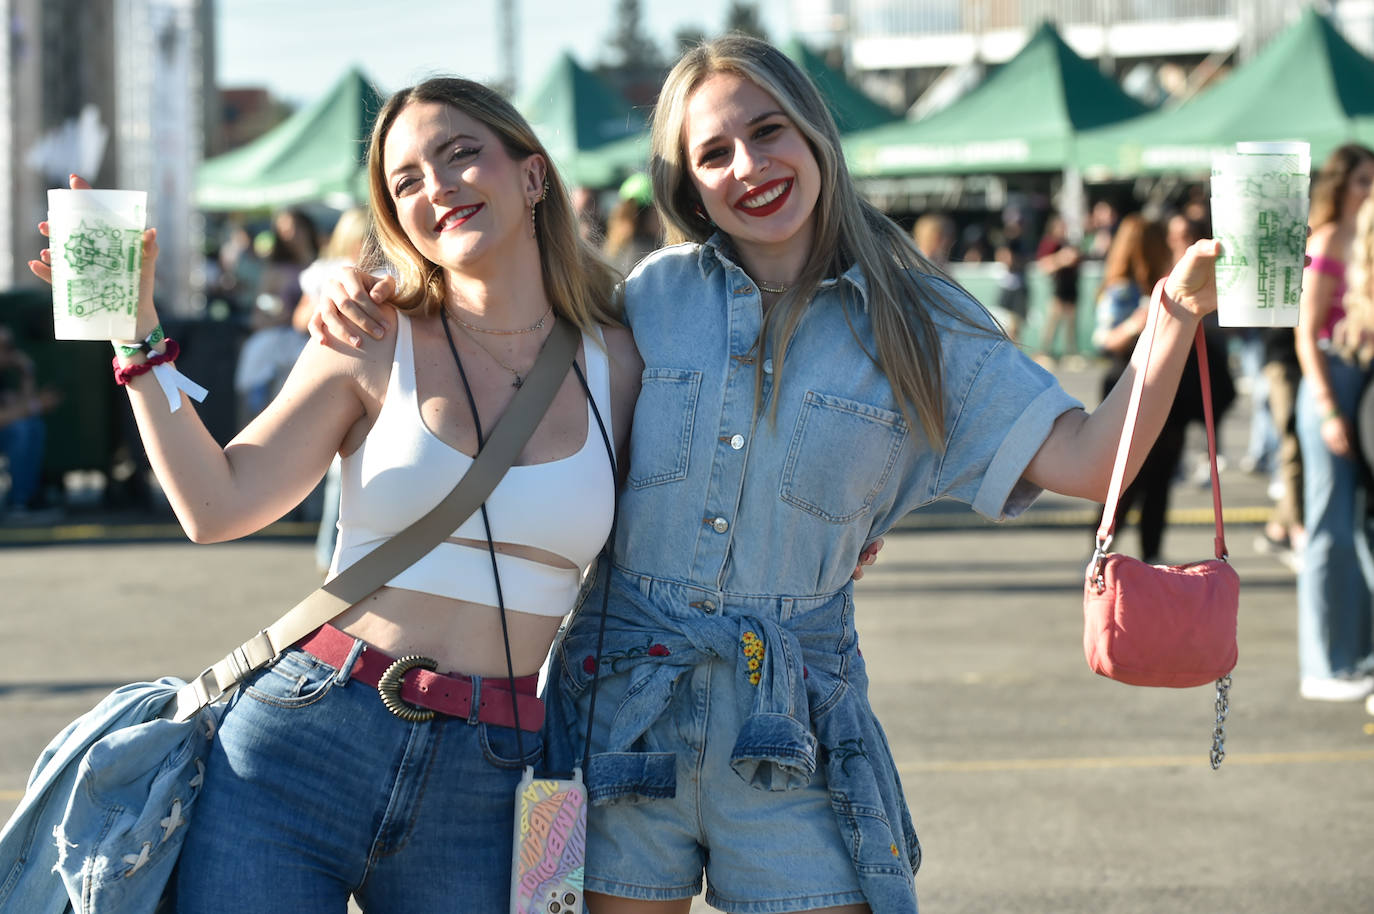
(1163,625)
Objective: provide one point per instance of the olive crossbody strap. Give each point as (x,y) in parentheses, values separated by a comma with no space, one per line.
(379,566)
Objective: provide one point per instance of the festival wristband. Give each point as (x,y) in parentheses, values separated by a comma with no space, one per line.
(146,346)
(168,378)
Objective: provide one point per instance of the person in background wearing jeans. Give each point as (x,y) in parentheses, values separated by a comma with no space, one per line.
(1335,655)
(23,435)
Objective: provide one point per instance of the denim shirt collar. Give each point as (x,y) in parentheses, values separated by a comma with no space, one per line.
(718,252)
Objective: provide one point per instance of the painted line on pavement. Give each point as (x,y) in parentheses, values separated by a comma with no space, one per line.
(82,533)
(1080,517)
(1147,761)
(935,520)
(1072,764)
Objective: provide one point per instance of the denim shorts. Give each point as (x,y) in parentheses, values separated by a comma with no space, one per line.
(314,791)
(762,851)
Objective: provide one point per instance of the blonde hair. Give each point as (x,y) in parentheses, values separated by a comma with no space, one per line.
(1355,333)
(350,234)
(848,230)
(579,283)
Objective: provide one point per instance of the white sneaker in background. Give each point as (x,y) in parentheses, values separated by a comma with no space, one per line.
(1336,688)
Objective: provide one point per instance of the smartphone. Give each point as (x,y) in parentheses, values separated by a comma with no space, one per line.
(550,849)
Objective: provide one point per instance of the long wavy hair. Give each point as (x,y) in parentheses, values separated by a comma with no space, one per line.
(1328,190)
(1356,330)
(848,229)
(579,283)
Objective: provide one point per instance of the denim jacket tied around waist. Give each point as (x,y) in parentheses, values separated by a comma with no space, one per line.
(737,531)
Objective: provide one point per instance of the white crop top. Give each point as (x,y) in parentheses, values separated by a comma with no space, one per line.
(402,470)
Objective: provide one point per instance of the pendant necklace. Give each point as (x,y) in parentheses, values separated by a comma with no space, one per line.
(519,379)
(772,288)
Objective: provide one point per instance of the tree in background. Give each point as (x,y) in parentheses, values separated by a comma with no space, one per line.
(744,17)
(635,50)
(689,36)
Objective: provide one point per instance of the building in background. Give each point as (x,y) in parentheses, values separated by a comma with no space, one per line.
(923,53)
(118,91)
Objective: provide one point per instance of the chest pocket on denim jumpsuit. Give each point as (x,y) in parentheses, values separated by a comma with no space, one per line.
(661,437)
(841,456)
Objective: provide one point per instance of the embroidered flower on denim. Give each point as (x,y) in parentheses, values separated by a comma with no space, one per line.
(895,852)
(589,664)
(752,646)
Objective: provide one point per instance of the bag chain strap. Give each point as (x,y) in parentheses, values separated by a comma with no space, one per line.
(1219,731)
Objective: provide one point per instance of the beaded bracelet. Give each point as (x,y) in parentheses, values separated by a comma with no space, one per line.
(124,373)
(151,340)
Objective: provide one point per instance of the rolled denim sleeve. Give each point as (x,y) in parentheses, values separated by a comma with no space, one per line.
(1004,416)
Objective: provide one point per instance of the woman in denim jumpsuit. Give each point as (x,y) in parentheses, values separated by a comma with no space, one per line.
(809,379)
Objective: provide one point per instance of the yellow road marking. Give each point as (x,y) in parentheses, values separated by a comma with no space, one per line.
(1071,764)
(1147,761)
(76,533)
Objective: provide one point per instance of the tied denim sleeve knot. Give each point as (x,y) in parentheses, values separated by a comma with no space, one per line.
(775,749)
(809,709)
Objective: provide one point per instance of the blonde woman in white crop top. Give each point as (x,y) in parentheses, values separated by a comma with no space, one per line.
(315,790)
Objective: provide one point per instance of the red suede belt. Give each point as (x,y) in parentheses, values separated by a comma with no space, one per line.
(421,690)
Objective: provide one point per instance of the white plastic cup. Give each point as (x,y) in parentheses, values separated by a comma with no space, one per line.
(96,240)
(1259,214)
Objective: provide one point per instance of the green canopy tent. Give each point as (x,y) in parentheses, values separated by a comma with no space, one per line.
(1024,117)
(1309,84)
(573,111)
(315,155)
(851,108)
(591,131)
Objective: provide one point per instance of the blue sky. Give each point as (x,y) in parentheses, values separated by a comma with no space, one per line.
(297,48)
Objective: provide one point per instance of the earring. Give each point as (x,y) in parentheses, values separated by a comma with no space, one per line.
(537,200)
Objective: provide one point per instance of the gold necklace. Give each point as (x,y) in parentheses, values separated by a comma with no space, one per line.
(519,379)
(772,288)
(537,325)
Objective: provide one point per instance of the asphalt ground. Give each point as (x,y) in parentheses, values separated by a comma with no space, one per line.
(1035,785)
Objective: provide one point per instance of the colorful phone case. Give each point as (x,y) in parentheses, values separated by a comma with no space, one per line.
(550,845)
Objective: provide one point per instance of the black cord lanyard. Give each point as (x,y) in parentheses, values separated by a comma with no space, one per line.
(491,544)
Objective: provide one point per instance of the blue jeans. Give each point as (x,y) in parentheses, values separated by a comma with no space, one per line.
(314,791)
(22,444)
(1337,569)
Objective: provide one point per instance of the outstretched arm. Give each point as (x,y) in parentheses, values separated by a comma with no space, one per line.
(272,464)
(1077,457)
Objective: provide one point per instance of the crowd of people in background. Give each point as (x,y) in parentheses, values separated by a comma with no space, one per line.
(1310,428)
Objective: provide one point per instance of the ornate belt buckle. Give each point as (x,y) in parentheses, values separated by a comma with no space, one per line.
(389,687)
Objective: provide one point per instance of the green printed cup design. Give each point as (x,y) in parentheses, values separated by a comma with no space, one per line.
(96,240)
(1259,214)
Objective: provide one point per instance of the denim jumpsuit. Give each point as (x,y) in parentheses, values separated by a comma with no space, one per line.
(730,616)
